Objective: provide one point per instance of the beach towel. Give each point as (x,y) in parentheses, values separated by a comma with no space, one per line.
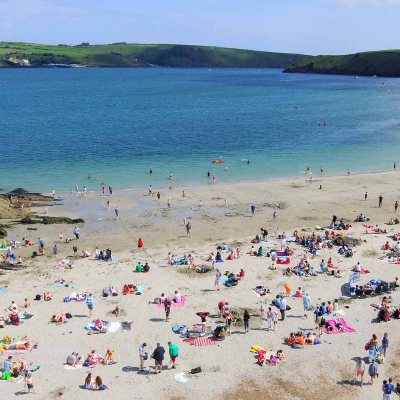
(347,328)
(202,341)
(256,349)
(334,330)
(267,242)
(140,290)
(283,260)
(173,304)
(113,327)
(2,290)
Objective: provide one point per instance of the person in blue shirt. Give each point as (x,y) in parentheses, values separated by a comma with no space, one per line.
(387,389)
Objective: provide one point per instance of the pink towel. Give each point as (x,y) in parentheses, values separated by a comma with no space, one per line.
(347,328)
(173,304)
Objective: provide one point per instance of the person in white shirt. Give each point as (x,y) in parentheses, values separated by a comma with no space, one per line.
(177,297)
(282,308)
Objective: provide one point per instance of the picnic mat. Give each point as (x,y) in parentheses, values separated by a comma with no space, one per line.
(202,341)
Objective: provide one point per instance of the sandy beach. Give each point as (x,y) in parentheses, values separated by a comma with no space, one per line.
(218,214)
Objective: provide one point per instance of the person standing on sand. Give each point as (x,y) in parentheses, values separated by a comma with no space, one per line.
(214,178)
(76,232)
(217,278)
(29,384)
(282,308)
(90,304)
(360,370)
(110,190)
(246,319)
(103,189)
(142,356)
(394,166)
(167,308)
(253,209)
(385,344)
(188,230)
(168,203)
(396,205)
(373,371)
(158,357)
(380,201)
(116,213)
(41,246)
(387,389)
(173,353)
(274,215)
(365,196)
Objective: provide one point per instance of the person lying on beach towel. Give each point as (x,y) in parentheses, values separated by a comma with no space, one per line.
(129,289)
(261,290)
(110,291)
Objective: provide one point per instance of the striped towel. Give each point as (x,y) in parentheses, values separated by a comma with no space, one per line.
(202,341)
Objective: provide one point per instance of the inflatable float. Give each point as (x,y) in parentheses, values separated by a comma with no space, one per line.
(219,161)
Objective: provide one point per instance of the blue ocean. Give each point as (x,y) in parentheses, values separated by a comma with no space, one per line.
(57,126)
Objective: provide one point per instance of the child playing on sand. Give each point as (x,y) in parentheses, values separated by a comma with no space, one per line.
(29,384)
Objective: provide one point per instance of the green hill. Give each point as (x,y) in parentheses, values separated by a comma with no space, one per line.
(13,54)
(381,63)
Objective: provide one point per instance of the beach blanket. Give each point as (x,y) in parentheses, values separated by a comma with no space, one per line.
(140,290)
(114,327)
(202,341)
(2,290)
(173,304)
(267,242)
(283,260)
(335,330)
(74,297)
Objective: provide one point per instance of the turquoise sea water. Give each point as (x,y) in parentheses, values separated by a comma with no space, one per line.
(59,125)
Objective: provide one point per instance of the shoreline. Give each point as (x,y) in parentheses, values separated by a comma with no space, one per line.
(184,186)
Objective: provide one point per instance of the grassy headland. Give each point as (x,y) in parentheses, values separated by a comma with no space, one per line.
(380,63)
(13,54)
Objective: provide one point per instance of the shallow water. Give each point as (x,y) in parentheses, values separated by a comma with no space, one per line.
(58,126)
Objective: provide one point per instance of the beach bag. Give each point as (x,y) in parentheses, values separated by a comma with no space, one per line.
(196,370)
(67,299)
(68,315)
(146,356)
(366,347)
(38,297)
